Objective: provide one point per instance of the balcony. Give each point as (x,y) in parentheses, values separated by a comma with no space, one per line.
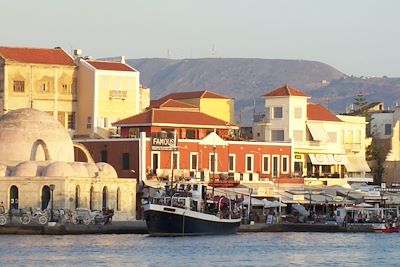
(118,94)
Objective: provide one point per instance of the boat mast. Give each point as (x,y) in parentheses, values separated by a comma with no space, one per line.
(213,164)
(174,148)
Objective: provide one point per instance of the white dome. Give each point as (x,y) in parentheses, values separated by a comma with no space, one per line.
(106,170)
(27,168)
(21,132)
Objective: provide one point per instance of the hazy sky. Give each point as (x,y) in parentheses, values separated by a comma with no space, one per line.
(359,37)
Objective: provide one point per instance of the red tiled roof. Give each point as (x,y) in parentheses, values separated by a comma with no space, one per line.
(194,94)
(53,56)
(316,112)
(170,103)
(158,116)
(285,91)
(108,65)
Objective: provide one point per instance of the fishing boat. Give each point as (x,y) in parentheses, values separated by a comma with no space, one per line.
(186,210)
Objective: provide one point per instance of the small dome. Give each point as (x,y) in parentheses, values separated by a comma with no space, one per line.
(58,169)
(106,170)
(25,134)
(27,168)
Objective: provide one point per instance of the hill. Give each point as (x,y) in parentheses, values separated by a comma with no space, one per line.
(247,79)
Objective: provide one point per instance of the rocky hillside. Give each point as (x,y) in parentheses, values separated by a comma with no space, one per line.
(247,79)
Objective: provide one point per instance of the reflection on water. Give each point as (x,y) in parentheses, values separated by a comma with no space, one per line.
(252,249)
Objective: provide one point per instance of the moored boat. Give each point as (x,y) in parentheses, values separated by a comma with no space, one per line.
(187,211)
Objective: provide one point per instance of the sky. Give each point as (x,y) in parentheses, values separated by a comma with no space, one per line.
(357,37)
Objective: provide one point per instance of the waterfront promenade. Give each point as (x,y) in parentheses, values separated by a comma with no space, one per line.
(139,227)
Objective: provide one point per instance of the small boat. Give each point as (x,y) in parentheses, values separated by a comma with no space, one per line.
(186,210)
(379,220)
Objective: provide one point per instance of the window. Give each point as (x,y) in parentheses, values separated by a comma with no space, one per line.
(91,200)
(133,132)
(77,196)
(155,162)
(388,129)
(278,112)
(175,160)
(190,134)
(277,135)
(249,163)
(298,135)
(66,88)
(275,166)
(125,161)
(105,197)
(285,164)
(89,122)
(105,122)
(265,163)
(213,162)
(118,199)
(45,197)
(232,161)
(71,120)
(298,112)
(103,156)
(19,86)
(44,88)
(193,161)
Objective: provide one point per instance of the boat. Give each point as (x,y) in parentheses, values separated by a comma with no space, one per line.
(186,210)
(377,219)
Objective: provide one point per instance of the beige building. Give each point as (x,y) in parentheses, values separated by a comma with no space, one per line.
(36,152)
(44,79)
(327,148)
(206,101)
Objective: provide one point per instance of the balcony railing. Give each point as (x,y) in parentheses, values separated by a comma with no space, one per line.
(118,94)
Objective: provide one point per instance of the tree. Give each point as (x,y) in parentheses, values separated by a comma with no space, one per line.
(360,102)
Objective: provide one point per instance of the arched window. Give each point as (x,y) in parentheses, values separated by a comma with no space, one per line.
(14,197)
(118,199)
(105,196)
(91,201)
(45,197)
(77,196)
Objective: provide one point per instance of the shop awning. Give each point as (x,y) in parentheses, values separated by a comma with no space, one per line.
(357,164)
(336,159)
(319,159)
(318,132)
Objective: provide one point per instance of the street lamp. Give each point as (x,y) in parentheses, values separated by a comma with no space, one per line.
(52,187)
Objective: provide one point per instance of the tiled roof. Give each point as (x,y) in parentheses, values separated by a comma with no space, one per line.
(108,65)
(170,103)
(316,112)
(194,94)
(161,116)
(53,56)
(285,91)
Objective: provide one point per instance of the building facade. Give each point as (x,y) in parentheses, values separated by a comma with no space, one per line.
(44,79)
(326,147)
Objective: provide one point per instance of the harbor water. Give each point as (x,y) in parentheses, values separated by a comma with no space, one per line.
(243,249)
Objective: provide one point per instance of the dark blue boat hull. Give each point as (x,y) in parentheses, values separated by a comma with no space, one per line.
(161,223)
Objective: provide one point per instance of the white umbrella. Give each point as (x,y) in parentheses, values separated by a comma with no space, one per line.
(364,205)
(274,204)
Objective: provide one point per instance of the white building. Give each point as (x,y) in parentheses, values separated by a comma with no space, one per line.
(327,148)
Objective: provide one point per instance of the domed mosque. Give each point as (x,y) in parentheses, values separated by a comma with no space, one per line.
(37,156)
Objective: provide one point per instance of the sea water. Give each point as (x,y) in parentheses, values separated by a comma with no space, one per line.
(243,249)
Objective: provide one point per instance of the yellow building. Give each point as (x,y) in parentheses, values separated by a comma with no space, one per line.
(207,101)
(37,155)
(108,91)
(44,79)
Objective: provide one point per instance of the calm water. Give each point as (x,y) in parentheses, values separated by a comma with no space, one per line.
(252,249)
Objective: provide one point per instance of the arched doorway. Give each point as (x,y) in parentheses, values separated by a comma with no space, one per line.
(105,196)
(77,196)
(45,197)
(91,200)
(13,197)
